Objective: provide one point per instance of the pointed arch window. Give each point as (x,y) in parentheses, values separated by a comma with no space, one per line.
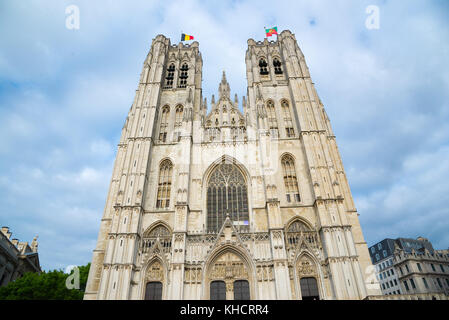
(227,194)
(161,233)
(164,185)
(289,131)
(183,76)
(170,74)
(263,66)
(272,120)
(164,124)
(277,66)
(290,181)
(178,117)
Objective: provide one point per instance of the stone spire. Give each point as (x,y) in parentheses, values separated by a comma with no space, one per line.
(224,90)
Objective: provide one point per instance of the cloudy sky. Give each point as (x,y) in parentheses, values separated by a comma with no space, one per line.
(65,94)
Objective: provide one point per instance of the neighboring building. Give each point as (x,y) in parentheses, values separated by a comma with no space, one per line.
(230,204)
(409,266)
(16,258)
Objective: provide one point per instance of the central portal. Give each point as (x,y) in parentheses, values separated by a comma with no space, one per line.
(229,278)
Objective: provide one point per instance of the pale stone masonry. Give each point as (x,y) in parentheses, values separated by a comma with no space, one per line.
(16,257)
(241,202)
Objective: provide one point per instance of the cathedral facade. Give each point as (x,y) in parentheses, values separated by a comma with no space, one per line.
(241,202)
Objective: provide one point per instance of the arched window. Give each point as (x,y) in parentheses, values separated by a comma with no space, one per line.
(241,290)
(178,117)
(161,233)
(227,193)
(263,66)
(183,76)
(277,66)
(169,76)
(153,291)
(290,181)
(272,120)
(164,186)
(290,132)
(164,124)
(218,290)
(309,289)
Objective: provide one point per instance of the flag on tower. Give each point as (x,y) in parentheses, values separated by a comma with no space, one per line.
(185,37)
(271,31)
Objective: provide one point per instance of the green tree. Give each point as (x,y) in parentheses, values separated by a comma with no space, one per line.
(48,285)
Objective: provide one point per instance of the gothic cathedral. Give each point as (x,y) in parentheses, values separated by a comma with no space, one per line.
(241,202)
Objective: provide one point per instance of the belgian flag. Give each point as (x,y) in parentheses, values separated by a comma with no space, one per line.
(185,37)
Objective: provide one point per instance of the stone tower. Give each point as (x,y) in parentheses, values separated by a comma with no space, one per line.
(247,202)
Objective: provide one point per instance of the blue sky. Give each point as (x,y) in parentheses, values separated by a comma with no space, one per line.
(65,94)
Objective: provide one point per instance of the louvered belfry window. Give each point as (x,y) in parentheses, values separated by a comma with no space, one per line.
(183,76)
(164,186)
(170,76)
(227,193)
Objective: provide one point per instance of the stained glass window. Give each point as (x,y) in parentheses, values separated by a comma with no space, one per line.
(227,193)
(164,186)
(290,181)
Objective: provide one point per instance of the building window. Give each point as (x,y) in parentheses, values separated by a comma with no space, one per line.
(183,76)
(178,116)
(419,267)
(153,291)
(441,267)
(385,254)
(433,267)
(169,76)
(263,66)
(395,282)
(439,283)
(377,257)
(277,66)
(400,270)
(218,290)
(164,124)
(373,249)
(392,271)
(388,273)
(380,276)
(309,289)
(447,282)
(227,193)
(413,283)
(406,286)
(290,181)
(290,132)
(164,186)
(383,286)
(406,268)
(241,290)
(272,119)
(379,246)
(425,283)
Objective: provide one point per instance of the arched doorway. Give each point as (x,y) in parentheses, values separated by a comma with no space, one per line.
(229,278)
(153,291)
(227,193)
(154,281)
(309,289)
(307,274)
(218,290)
